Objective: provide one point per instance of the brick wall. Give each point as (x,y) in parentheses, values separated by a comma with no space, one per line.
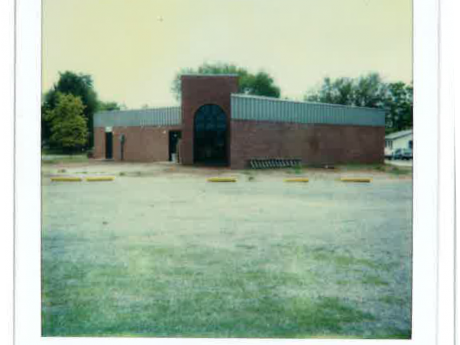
(142,144)
(99,143)
(314,144)
(198,91)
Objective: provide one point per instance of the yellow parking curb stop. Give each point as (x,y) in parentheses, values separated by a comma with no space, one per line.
(302,179)
(66,179)
(100,178)
(355,179)
(221,179)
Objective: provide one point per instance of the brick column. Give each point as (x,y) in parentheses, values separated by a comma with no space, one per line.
(198,90)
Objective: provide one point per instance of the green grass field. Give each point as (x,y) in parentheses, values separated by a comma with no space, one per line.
(200,292)
(64,159)
(183,258)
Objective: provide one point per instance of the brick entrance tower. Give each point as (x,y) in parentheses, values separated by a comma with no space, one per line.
(199,90)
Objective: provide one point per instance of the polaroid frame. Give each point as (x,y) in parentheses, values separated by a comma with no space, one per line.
(27,330)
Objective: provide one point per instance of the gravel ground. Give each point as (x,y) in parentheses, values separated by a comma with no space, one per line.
(344,242)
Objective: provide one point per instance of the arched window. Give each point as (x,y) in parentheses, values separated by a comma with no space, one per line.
(210,135)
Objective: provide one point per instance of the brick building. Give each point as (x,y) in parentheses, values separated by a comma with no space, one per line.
(217,126)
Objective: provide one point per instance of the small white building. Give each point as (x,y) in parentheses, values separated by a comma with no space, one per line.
(398,140)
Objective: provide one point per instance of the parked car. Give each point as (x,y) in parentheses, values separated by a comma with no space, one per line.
(407,154)
(402,154)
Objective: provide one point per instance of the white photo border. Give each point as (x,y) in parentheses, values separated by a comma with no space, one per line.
(446,218)
(28,184)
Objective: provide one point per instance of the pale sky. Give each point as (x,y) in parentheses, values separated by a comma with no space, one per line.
(133,49)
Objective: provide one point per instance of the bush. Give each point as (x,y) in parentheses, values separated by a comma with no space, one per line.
(68,124)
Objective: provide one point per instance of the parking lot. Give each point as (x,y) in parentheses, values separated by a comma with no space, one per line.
(160,251)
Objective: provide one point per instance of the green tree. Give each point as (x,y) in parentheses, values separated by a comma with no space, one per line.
(339,91)
(399,107)
(68,123)
(109,106)
(260,84)
(79,85)
(369,91)
(365,91)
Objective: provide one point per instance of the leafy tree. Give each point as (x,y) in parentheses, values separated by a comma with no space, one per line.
(366,91)
(399,107)
(80,85)
(68,123)
(48,104)
(109,106)
(369,91)
(261,83)
(339,91)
